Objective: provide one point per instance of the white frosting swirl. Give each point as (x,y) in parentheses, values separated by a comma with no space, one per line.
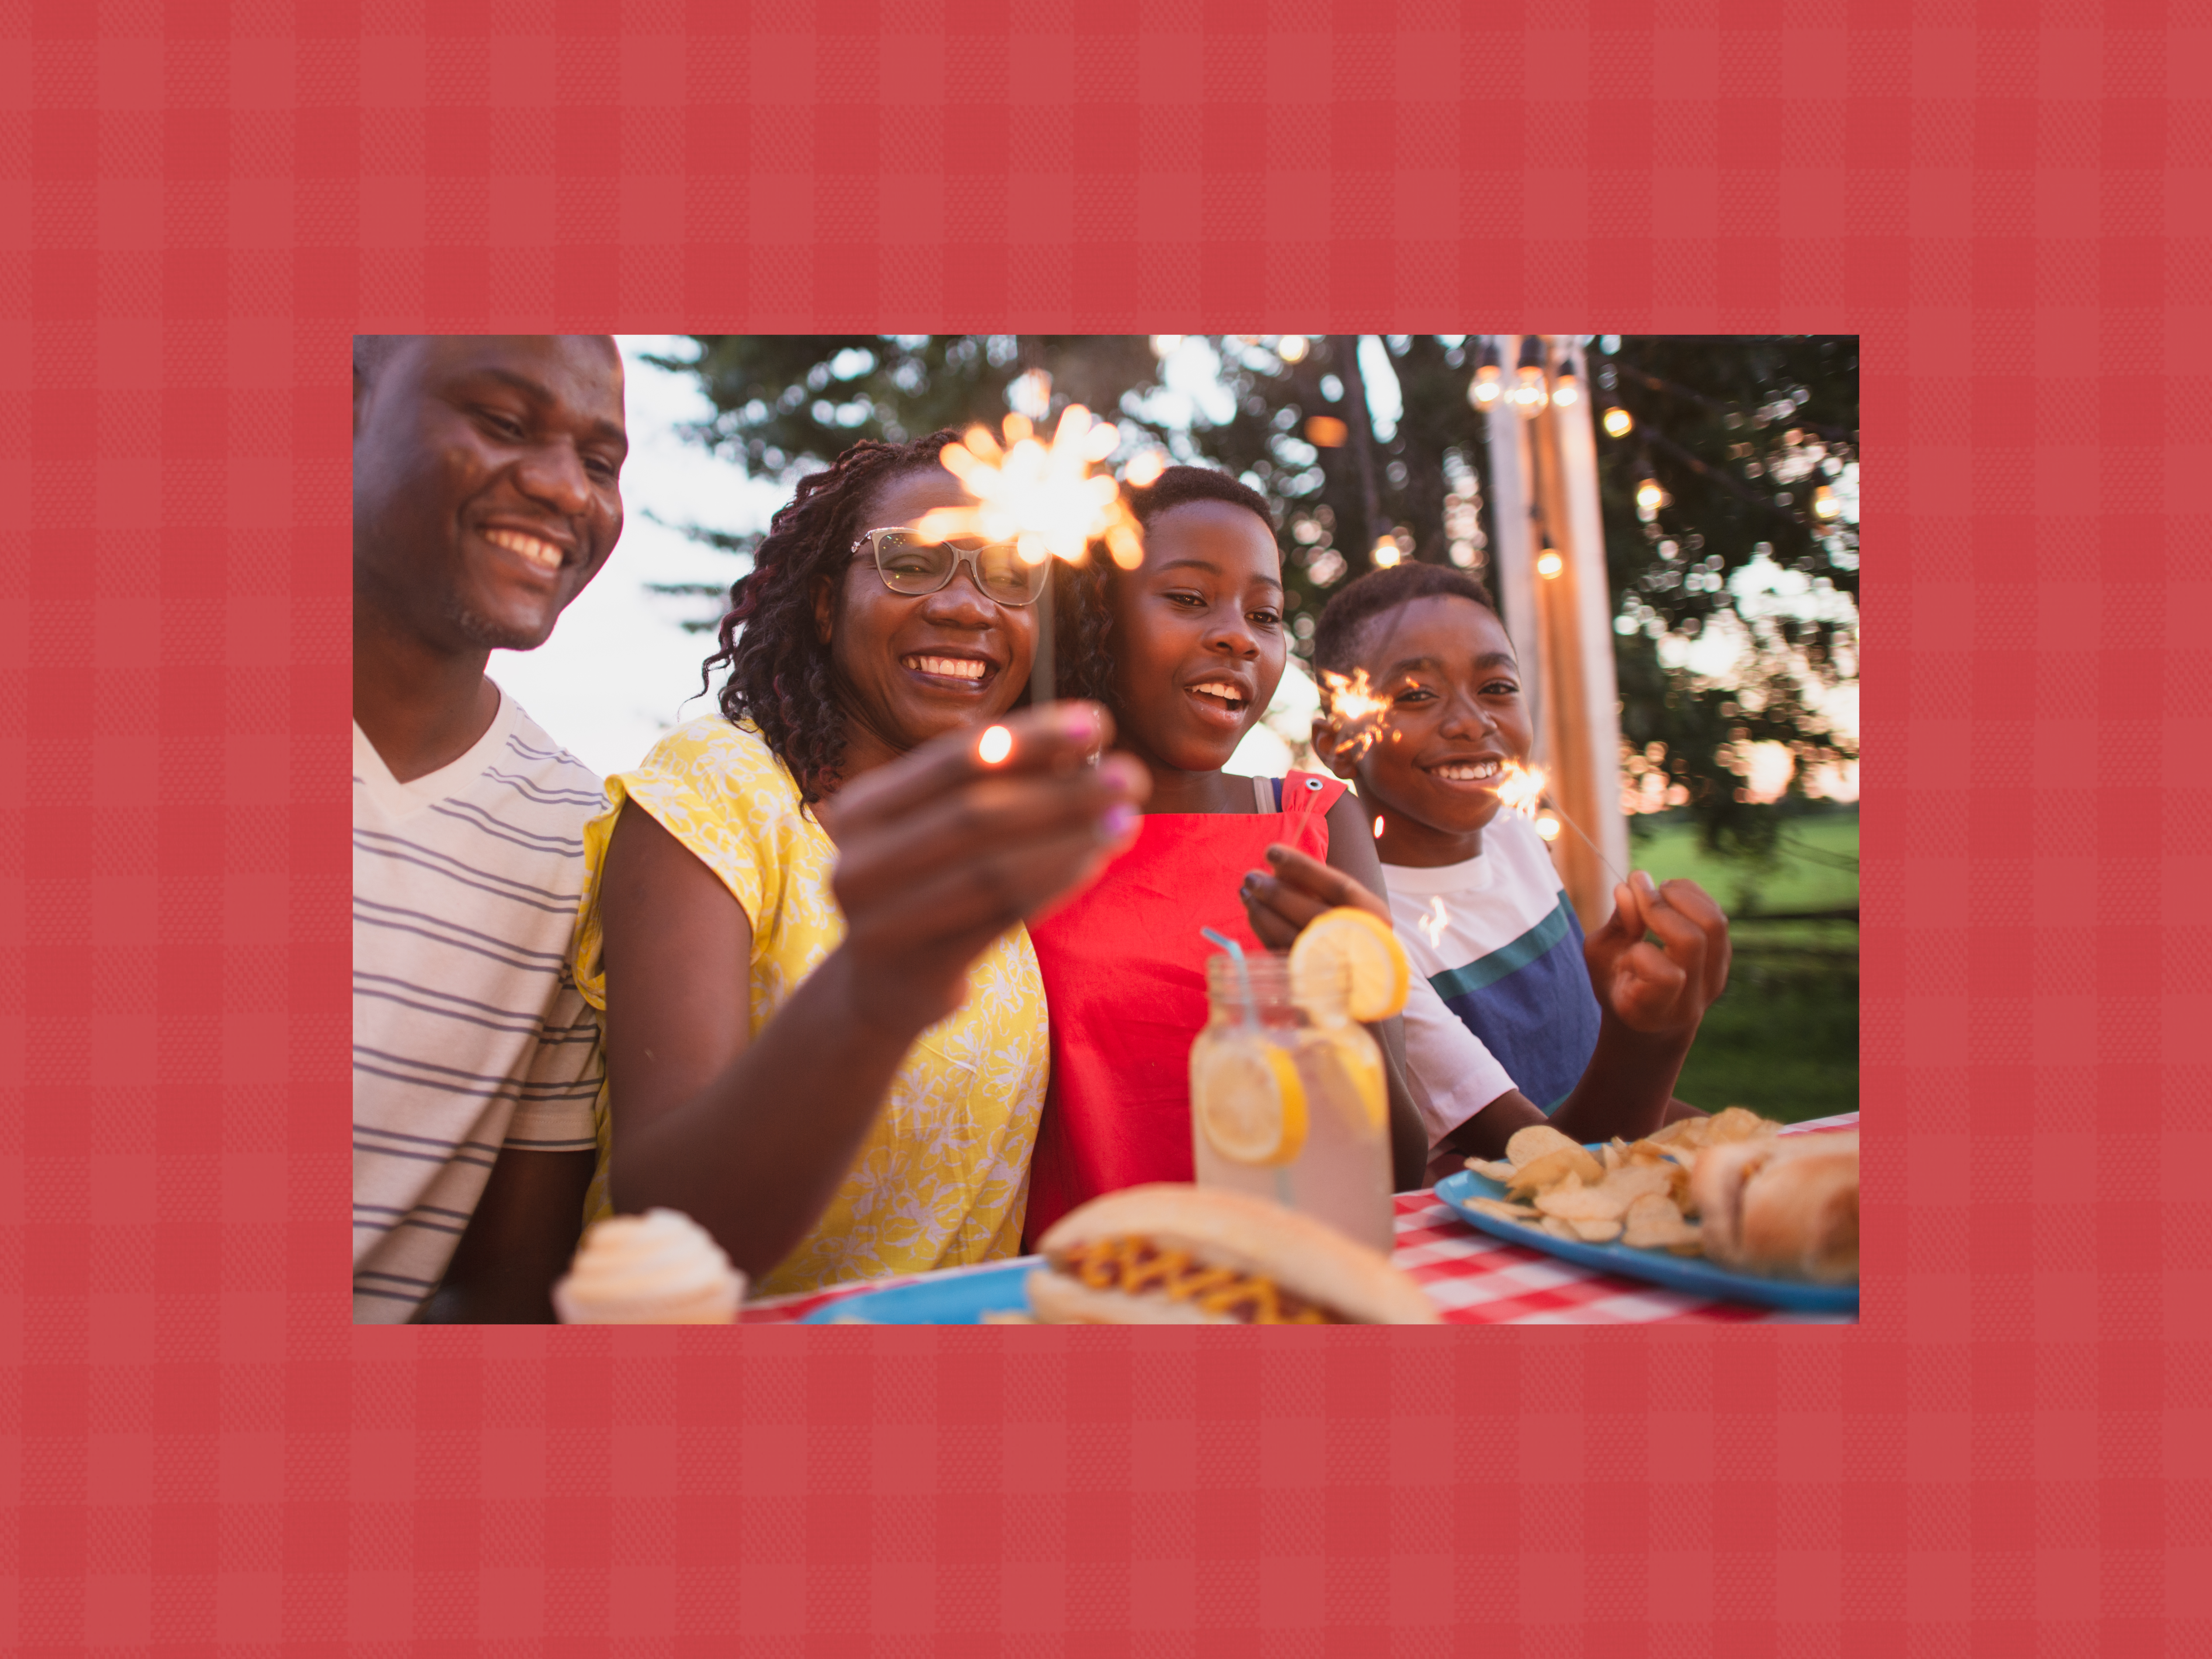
(659,1268)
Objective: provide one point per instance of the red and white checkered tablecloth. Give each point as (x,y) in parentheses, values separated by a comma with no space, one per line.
(1475,1279)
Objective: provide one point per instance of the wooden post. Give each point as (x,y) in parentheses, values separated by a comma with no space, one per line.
(1582,716)
(1512,552)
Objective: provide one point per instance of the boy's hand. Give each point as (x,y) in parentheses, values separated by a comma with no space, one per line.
(1280,901)
(1664,988)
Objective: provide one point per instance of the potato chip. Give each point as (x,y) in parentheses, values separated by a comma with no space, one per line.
(1633,1180)
(1551,1168)
(1500,1172)
(1559,1229)
(1571,1201)
(1596,1232)
(1653,1222)
(1537,1140)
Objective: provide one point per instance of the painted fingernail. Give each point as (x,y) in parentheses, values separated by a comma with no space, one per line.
(1116,823)
(1081,722)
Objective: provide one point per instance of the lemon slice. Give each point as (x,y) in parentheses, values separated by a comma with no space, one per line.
(1251,1103)
(1373,962)
(1363,1066)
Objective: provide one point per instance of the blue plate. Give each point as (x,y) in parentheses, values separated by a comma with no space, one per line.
(1691,1274)
(960,1296)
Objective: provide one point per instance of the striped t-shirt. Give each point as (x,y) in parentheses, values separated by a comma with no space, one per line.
(1497,941)
(468,1030)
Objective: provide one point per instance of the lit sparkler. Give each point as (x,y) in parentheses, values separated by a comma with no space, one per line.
(1521,788)
(1043,498)
(1359,712)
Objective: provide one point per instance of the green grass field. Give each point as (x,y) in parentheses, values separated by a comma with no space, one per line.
(1784,1037)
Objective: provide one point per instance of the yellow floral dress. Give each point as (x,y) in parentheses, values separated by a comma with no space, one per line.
(942,1179)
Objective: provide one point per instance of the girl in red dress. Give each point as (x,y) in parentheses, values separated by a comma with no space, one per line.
(1186,651)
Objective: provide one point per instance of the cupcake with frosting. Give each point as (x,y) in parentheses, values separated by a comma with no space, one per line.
(659,1268)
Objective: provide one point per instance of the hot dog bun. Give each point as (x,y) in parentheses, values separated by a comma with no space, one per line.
(1784,1206)
(1299,1256)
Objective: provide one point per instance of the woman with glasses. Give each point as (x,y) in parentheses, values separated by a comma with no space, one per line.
(825,1030)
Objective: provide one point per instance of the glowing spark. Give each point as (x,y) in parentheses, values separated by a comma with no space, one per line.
(1521,787)
(995,744)
(1146,468)
(1548,827)
(1045,500)
(1432,925)
(1356,708)
(1378,826)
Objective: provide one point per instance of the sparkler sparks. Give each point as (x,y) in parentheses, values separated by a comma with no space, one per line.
(1521,787)
(1432,925)
(1354,707)
(1045,500)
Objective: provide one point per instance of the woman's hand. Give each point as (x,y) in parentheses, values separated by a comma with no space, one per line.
(1661,989)
(941,851)
(1280,901)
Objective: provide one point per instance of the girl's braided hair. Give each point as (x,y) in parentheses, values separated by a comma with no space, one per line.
(781,679)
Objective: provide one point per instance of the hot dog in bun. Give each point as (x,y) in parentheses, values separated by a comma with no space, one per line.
(1784,1206)
(1169,1254)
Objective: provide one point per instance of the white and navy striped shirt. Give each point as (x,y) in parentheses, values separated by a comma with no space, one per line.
(468,1030)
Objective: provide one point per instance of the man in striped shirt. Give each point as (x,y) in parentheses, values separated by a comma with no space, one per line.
(486,494)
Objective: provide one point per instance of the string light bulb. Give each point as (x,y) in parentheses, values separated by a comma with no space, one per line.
(1826,507)
(1489,383)
(1528,394)
(1649,497)
(1619,423)
(1291,348)
(1548,827)
(1550,563)
(1386,552)
(1566,390)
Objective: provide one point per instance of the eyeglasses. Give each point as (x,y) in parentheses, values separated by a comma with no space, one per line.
(909,565)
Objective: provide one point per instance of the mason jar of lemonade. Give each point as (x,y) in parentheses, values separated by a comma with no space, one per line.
(1287,1094)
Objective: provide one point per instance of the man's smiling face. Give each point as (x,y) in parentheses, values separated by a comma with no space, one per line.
(486,483)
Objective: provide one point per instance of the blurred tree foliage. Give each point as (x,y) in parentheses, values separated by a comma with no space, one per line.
(1753,441)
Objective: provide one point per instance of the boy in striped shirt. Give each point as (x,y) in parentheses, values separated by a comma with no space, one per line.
(1516,1017)
(486,495)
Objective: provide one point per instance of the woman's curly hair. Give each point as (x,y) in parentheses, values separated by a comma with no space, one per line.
(781,679)
(1082,598)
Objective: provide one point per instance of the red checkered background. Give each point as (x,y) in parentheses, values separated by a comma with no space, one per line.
(200,201)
